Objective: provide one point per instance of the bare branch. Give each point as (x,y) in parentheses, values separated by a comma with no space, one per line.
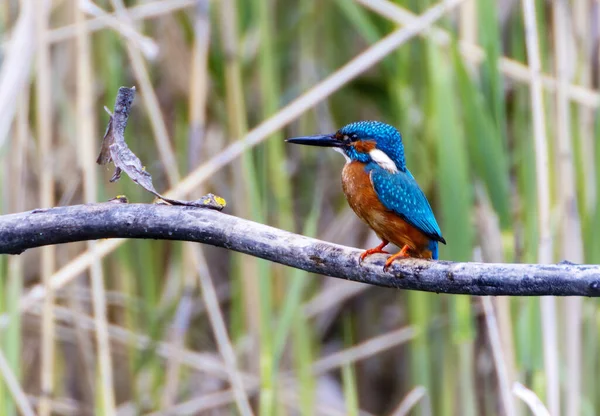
(22,231)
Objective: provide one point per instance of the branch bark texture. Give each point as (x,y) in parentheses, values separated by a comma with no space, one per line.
(19,232)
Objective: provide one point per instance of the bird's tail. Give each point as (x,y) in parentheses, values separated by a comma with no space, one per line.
(433,247)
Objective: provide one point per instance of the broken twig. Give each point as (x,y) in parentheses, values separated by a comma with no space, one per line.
(116,150)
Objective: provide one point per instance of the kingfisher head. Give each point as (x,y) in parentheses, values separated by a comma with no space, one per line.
(364,141)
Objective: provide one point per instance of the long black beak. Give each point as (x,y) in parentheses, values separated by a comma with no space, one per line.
(318,140)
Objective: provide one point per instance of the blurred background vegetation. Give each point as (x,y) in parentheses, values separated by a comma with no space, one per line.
(497,103)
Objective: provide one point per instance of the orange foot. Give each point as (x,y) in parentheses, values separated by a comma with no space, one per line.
(378,249)
(401,254)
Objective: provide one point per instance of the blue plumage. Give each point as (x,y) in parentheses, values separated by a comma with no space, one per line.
(399,192)
(381,190)
(433,247)
(387,138)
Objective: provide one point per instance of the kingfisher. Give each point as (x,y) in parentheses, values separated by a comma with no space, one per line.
(381,190)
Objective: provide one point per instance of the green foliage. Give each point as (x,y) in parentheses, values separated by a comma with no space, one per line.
(463,122)
(454,186)
(487,153)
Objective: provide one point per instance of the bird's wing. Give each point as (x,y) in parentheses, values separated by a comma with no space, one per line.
(399,192)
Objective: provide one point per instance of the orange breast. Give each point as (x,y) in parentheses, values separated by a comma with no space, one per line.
(387,225)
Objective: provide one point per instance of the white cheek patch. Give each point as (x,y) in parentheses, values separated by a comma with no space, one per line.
(383,160)
(337,149)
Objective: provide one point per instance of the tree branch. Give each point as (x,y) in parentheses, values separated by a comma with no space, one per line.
(19,232)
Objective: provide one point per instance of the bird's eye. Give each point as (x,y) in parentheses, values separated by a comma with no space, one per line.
(354,137)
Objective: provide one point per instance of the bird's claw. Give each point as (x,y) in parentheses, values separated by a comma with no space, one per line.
(402,254)
(368,252)
(378,249)
(388,263)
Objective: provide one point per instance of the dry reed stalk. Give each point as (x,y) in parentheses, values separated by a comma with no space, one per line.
(329,301)
(475,54)
(548,304)
(84,344)
(571,241)
(212,401)
(364,350)
(16,65)
(499,327)
(200,362)
(46,180)
(209,363)
(293,401)
(86,138)
(15,275)
(199,81)
(330,297)
(18,193)
(467,360)
(319,92)
(161,136)
(198,405)
(498,355)
(176,336)
(209,295)
(202,404)
(468,22)
(139,12)
(197,123)
(15,265)
(410,401)
(511,68)
(237,126)
(246,270)
(61,406)
(582,26)
(531,399)
(65,275)
(180,323)
(18,160)
(151,102)
(148,47)
(505,328)
(14,387)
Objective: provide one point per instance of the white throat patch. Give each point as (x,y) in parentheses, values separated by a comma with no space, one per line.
(337,149)
(383,160)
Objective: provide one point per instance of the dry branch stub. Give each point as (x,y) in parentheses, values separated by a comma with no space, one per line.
(116,150)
